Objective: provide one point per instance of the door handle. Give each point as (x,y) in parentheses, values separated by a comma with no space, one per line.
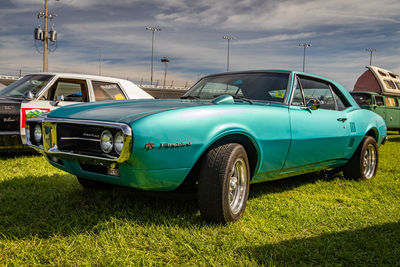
(342,119)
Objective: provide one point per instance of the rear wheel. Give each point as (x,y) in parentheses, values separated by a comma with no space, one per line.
(224,183)
(86,183)
(364,163)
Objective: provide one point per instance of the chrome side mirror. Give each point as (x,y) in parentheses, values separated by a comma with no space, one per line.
(29,95)
(60,98)
(313,104)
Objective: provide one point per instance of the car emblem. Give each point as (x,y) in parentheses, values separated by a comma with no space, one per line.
(9,119)
(150,145)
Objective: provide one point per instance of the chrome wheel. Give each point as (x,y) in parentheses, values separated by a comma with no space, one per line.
(369,161)
(238,185)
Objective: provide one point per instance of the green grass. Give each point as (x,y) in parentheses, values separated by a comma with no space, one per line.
(47,218)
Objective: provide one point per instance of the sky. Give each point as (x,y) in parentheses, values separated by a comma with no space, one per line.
(267,36)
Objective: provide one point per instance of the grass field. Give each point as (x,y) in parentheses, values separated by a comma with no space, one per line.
(47,218)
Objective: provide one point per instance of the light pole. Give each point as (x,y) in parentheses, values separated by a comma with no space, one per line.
(229,38)
(166,61)
(304,55)
(99,61)
(152,29)
(370,50)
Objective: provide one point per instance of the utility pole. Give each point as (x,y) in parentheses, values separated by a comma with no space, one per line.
(304,55)
(44,35)
(152,29)
(46,41)
(229,38)
(370,50)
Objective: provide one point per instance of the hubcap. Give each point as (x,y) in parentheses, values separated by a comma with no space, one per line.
(237,185)
(369,161)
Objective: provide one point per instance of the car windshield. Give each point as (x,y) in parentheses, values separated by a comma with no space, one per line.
(32,83)
(262,86)
(362,99)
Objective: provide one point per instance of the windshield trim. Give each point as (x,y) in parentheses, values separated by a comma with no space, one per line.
(283,102)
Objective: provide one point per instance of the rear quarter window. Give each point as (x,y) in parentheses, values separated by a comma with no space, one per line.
(107,91)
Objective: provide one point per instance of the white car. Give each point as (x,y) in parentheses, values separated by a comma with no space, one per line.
(42,92)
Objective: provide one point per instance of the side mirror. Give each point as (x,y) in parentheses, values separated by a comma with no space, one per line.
(313,104)
(60,98)
(29,95)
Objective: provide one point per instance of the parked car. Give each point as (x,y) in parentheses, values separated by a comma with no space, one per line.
(378,90)
(42,92)
(227,131)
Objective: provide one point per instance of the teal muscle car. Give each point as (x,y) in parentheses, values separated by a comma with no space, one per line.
(227,131)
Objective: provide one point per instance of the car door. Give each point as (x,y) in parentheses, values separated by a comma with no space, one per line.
(379,106)
(61,92)
(392,112)
(318,137)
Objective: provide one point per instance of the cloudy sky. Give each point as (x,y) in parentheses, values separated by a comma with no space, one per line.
(268,33)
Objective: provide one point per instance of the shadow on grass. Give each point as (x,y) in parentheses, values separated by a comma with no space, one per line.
(9,155)
(372,246)
(286,184)
(394,139)
(49,205)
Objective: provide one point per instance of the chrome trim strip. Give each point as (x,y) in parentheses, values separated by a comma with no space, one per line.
(80,138)
(10,133)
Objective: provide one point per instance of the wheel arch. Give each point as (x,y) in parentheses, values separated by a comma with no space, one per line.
(248,143)
(373,132)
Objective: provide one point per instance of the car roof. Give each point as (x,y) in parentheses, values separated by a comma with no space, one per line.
(78,75)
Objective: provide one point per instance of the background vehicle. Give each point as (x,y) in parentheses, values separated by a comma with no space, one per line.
(42,92)
(227,131)
(378,90)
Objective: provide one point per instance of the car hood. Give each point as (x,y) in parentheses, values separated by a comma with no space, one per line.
(121,111)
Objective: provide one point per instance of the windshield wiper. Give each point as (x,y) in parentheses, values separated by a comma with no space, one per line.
(242,98)
(190,97)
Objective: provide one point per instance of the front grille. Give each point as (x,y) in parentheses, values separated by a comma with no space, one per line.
(82,139)
(9,117)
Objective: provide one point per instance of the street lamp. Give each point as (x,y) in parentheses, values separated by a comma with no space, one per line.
(304,55)
(152,29)
(370,50)
(229,38)
(166,61)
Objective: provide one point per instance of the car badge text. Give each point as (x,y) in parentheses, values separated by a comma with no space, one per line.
(151,145)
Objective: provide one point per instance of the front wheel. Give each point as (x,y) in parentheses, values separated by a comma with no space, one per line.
(224,183)
(364,163)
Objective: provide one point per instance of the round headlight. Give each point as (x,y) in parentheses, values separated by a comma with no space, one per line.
(119,142)
(106,141)
(38,133)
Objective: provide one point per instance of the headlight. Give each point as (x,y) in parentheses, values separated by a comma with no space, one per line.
(38,133)
(119,142)
(106,141)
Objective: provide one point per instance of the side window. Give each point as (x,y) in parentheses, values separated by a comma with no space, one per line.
(379,101)
(297,96)
(391,101)
(319,90)
(107,91)
(71,90)
(340,100)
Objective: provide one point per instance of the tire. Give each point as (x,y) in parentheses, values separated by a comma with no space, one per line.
(364,163)
(224,183)
(86,183)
